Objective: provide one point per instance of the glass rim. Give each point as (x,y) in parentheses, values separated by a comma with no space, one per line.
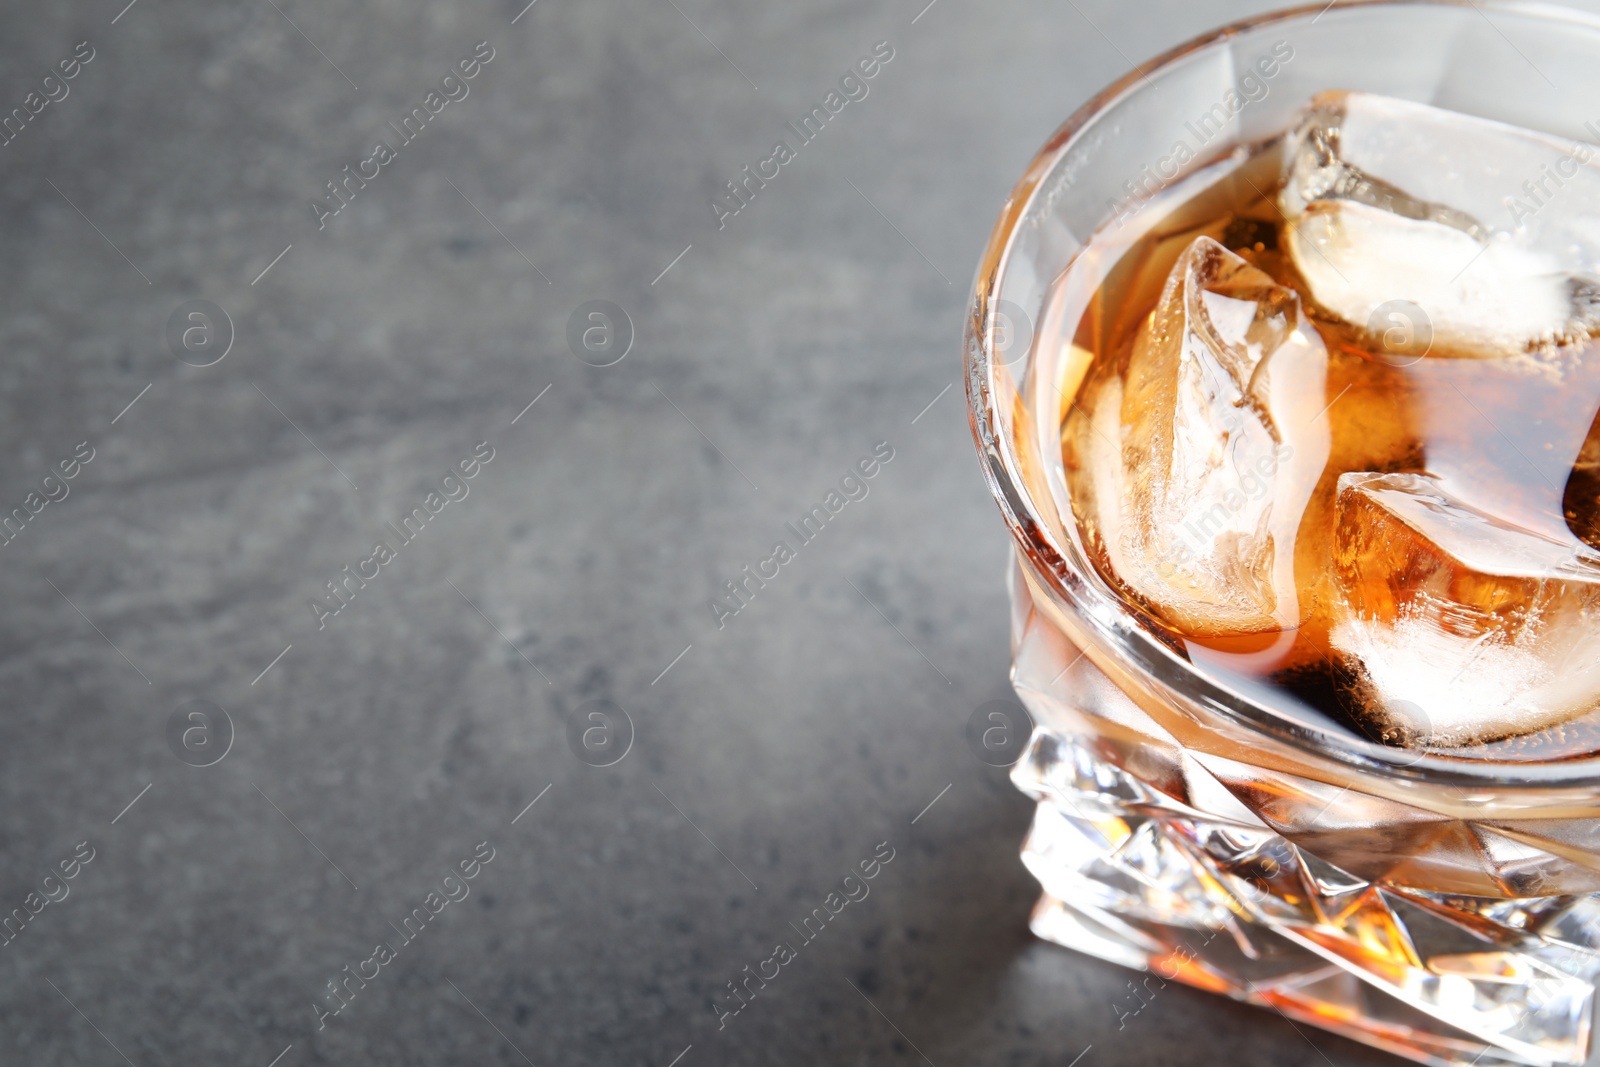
(1097,604)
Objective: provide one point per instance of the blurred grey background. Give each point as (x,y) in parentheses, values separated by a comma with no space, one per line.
(362,759)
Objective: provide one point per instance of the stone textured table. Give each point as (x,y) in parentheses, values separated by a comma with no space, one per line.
(367,753)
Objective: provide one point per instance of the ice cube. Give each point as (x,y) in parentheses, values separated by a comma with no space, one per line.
(1493,231)
(1459,627)
(1200,459)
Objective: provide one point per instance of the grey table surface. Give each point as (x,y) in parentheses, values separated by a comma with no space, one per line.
(371,353)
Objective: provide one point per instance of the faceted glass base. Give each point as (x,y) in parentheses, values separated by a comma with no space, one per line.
(1137,878)
(1161,856)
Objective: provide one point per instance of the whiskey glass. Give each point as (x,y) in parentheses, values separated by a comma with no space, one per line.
(1444,909)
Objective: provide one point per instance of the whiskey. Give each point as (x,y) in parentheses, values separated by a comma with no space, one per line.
(1307,456)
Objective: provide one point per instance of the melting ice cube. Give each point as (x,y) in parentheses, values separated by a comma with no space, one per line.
(1493,231)
(1460,627)
(1201,459)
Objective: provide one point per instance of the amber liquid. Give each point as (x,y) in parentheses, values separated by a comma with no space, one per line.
(1518,436)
